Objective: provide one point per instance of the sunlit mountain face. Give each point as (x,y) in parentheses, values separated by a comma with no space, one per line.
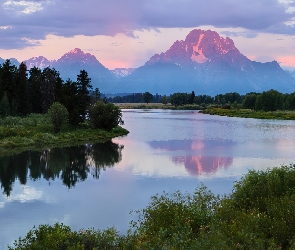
(208,64)
(204,62)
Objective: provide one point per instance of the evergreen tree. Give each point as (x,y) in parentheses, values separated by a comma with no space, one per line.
(4,106)
(22,94)
(84,100)
(50,88)
(69,98)
(7,80)
(192,98)
(34,81)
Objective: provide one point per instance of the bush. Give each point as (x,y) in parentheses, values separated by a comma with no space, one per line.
(60,237)
(105,116)
(259,214)
(174,222)
(58,116)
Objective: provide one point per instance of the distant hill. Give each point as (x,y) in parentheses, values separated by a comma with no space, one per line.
(13,61)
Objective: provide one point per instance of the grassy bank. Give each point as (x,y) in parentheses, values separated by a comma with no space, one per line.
(248,113)
(35,132)
(158,106)
(258,214)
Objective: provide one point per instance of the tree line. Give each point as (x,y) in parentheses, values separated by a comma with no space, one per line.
(24,91)
(267,101)
(135,98)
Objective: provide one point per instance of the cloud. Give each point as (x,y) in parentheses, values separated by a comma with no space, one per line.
(30,21)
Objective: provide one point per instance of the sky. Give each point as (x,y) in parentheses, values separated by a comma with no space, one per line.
(125,34)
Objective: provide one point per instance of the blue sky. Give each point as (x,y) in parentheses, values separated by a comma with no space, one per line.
(127,33)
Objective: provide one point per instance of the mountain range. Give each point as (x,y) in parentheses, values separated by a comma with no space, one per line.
(204,62)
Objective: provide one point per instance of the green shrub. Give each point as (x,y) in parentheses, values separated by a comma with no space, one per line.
(259,214)
(58,116)
(60,237)
(105,116)
(174,222)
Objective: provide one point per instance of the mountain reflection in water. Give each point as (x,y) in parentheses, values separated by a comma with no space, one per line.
(192,154)
(71,164)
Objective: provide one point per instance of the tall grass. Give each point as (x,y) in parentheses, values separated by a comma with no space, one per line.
(35,132)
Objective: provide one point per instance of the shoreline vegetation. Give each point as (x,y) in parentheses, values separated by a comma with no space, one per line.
(248,113)
(38,109)
(158,106)
(230,112)
(269,104)
(35,132)
(257,214)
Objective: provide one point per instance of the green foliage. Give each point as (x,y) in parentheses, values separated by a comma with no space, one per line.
(164,100)
(174,222)
(147,97)
(254,189)
(269,101)
(249,101)
(22,91)
(247,113)
(18,134)
(105,116)
(179,99)
(192,98)
(259,214)
(50,88)
(58,116)
(4,106)
(83,98)
(59,237)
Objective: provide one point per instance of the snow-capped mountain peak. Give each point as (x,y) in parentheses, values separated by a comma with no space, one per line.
(39,62)
(122,72)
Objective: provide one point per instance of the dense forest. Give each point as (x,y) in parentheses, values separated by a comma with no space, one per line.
(24,91)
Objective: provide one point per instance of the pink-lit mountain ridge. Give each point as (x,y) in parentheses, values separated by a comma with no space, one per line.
(208,64)
(203,62)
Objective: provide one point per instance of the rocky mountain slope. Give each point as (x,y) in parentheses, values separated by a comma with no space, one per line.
(208,64)
(204,62)
(122,72)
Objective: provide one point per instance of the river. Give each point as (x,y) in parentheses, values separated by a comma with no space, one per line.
(98,185)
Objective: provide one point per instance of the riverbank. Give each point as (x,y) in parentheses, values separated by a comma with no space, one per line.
(256,215)
(35,133)
(158,106)
(248,113)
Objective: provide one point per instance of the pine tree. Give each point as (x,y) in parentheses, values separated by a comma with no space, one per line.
(35,78)
(4,106)
(84,100)
(51,86)
(22,94)
(7,80)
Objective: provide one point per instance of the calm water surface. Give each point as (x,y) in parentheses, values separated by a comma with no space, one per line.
(98,185)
